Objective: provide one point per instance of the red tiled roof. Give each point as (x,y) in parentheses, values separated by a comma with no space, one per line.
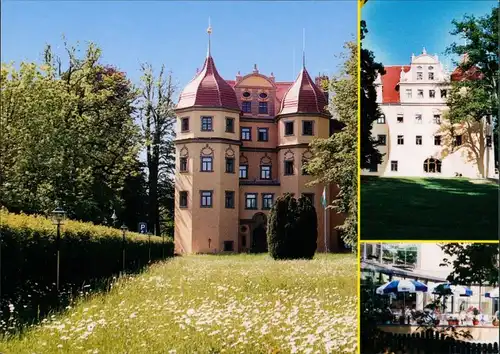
(209,89)
(473,73)
(303,96)
(390,81)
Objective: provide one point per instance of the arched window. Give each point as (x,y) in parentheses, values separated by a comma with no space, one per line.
(432,165)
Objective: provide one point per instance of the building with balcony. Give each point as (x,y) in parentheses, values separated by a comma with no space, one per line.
(239,145)
(413,133)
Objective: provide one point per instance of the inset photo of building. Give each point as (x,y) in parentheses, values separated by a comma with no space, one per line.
(429,121)
(441,296)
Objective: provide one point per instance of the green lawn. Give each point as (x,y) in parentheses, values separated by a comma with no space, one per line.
(425,208)
(212,304)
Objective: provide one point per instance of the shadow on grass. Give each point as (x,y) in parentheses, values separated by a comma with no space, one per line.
(428,209)
(32,302)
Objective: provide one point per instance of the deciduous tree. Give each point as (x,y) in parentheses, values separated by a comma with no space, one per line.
(477,95)
(68,134)
(335,159)
(370,110)
(157,116)
(473,263)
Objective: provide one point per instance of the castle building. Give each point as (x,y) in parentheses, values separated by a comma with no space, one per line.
(239,145)
(413,132)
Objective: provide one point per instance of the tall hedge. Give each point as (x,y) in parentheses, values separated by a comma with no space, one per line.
(88,254)
(292,229)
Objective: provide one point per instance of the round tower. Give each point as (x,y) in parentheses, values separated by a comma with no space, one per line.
(302,118)
(207,160)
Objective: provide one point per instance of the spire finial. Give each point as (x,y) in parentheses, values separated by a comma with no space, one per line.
(424,51)
(303,47)
(209,31)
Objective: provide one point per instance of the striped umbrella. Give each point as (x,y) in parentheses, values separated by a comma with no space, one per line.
(492,294)
(401,286)
(448,289)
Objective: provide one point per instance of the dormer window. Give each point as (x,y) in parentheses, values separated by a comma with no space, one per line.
(262,107)
(263,95)
(246,107)
(246,94)
(419,75)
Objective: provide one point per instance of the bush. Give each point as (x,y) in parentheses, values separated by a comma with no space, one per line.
(89,254)
(292,229)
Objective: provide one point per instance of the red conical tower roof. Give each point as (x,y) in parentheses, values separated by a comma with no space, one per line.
(304,96)
(208,89)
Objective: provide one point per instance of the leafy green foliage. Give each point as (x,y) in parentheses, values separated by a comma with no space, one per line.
(472,263)
(292,229)
(67,135)
(480,55)
(468,102)
(87,253)
(372,312)
(335,159)
(370,110)
(306,228)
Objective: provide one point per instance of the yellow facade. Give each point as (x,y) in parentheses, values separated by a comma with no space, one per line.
(241,227)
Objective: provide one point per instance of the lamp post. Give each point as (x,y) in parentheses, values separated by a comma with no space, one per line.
(114,218)
(58,216)
(124,229)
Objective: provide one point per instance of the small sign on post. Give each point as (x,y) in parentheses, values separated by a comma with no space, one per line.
(143,228)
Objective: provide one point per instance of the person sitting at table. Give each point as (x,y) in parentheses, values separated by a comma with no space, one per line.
(388,315)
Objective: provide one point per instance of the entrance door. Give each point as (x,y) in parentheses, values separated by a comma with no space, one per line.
(259,240)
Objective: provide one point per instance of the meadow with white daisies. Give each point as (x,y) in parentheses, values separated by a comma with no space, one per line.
(211,304)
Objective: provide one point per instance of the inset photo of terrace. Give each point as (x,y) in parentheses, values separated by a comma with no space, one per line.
(429,298)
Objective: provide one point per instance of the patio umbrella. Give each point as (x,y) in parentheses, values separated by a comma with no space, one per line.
(492,294)
(401,286)
(448,289)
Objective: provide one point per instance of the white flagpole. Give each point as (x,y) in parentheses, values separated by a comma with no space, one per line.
(325,220)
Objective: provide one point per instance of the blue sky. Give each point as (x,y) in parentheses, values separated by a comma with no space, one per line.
(396,29)
(174,33)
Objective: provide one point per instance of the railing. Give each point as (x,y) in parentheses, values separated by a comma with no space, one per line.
(429,342)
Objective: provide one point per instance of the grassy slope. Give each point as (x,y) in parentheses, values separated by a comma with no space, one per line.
(417,208)
(232,304)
